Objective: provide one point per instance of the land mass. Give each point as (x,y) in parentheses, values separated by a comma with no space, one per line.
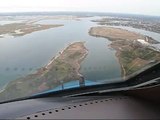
(61,69)
(133,50)
(149,24)
(21,29)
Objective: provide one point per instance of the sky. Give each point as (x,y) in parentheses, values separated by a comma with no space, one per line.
(145,7)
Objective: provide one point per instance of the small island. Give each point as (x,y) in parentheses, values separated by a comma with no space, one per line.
(21,29)
(61,69)
(133,50)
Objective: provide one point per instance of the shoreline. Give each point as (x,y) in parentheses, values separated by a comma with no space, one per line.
(128,48)
(117,54)
(22,29)
(62,51)
(80,60)
(39,77)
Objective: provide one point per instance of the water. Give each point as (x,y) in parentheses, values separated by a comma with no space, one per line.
(21,56)
(154,35)
(101,63)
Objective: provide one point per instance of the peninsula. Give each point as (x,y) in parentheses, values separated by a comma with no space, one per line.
(21,29)
(61,69)
(133,50)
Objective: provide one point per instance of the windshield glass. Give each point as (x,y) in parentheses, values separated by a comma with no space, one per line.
(89,43)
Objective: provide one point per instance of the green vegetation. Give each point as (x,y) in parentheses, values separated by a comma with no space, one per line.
(132,54)
(62,69)
(137,58)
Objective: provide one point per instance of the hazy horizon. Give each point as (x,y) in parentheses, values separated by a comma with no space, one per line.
(138,7)
(71,13)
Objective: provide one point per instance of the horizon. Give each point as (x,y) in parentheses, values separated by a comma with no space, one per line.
(141,7)
(74,12)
